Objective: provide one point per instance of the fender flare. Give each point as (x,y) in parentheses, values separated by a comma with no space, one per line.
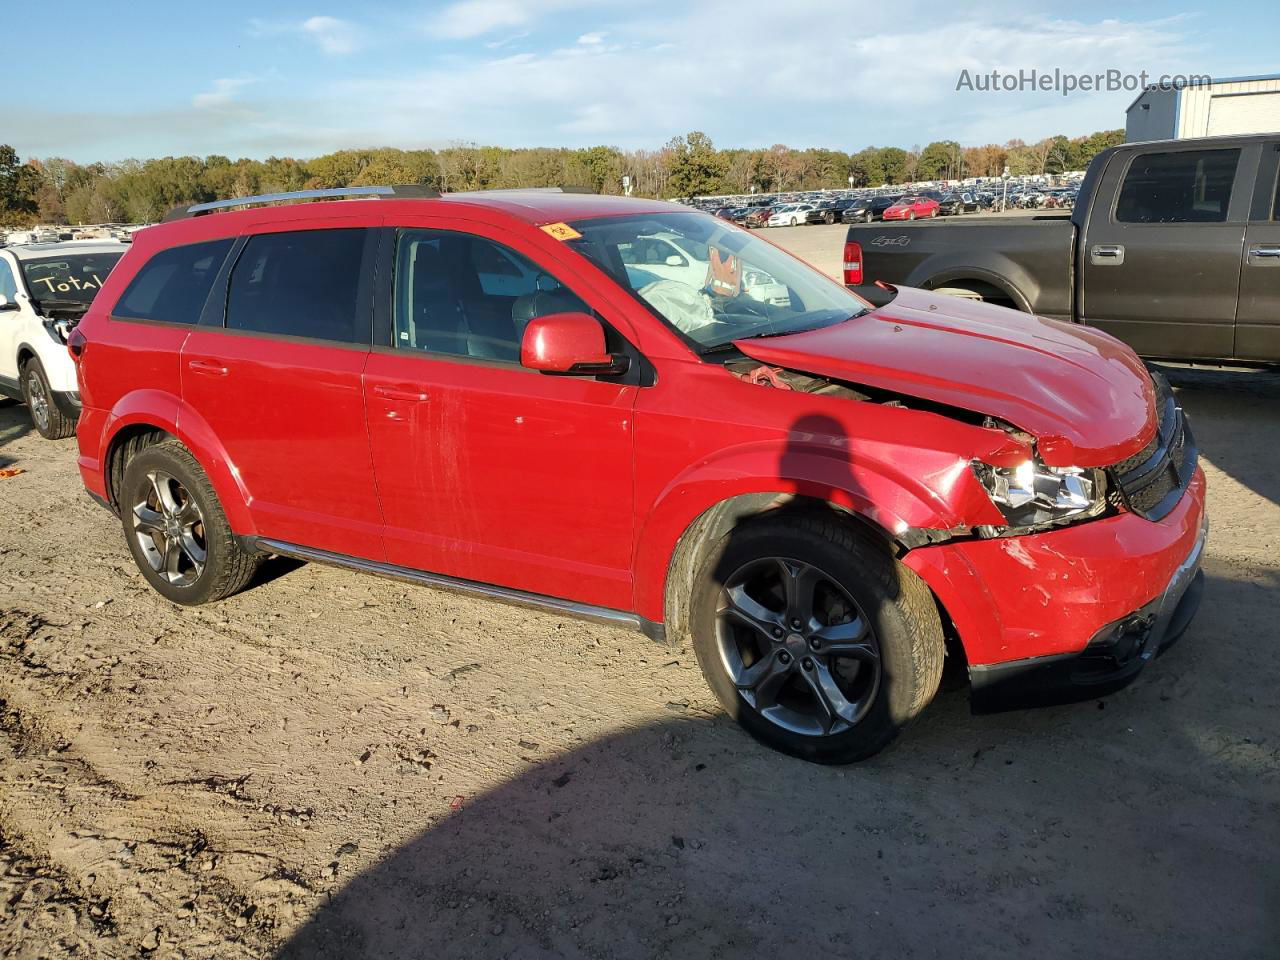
(164,411)
(1004,275)
(876,494)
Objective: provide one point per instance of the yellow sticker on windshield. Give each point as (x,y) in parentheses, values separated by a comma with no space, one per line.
(561,231)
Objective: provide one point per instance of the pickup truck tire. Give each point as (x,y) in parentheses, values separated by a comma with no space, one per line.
(176,529)
(787,685)
(50,422)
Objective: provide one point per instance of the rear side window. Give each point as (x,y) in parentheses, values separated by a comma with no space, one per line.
(301,284)
(173,285)
(1192,186)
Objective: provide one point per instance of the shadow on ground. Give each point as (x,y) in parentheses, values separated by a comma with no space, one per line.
(1143,826)
(15,423)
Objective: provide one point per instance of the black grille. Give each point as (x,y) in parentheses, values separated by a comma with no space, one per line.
(1153,480)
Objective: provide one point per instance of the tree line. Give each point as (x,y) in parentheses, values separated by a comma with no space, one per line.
(57,190)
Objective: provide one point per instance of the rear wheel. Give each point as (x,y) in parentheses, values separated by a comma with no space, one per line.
(49,421)
(176,529)
(814,638)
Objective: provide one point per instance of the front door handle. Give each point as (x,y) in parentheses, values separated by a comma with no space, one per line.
(1264,255)
(210,368)
(1106,254)
(412,394)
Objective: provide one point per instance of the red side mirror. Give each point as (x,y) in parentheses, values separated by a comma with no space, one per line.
(568,343)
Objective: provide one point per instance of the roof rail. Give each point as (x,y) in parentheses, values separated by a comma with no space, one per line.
(414,191)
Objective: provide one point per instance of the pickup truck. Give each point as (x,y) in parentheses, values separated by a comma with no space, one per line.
(1172,246)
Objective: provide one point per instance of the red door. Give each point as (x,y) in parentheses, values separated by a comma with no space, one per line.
(488,471)
(280,387)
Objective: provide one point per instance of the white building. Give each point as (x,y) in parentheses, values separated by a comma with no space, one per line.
(1220,107)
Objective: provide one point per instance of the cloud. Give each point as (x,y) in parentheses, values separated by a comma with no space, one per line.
(593,38)
(473,18)
(223,93)
(331,35)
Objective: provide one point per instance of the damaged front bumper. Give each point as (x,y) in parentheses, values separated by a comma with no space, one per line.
(1113,658)
(1072,613)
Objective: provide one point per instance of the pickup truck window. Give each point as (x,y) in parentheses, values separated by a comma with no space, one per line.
(1192,186)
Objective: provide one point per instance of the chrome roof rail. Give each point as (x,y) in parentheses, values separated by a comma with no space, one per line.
(412,191)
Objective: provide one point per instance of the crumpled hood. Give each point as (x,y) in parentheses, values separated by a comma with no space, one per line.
(1085,396)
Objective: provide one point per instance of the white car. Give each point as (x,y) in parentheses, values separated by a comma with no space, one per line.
(670,256)
(44,290)
(790,214)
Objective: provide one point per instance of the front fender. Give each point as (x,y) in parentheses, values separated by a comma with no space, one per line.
(167,412)
(887,495)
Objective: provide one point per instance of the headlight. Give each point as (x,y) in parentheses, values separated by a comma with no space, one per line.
(1033,495)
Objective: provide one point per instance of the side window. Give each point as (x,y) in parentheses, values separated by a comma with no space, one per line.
(174,284)
(1191,186)
(468,296)
(301,284)
(8,284)
(1275,203)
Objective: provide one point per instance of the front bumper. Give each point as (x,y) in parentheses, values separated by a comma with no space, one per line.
(1020,604)
(1113,658)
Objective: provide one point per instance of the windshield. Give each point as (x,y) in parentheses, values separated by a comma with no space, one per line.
(69,276)
(713,282)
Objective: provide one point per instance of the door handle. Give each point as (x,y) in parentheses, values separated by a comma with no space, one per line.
(1106,254)
(210,368)
(1264,255)
(410,394)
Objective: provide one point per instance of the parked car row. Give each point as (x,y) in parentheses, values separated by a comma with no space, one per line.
(816,493)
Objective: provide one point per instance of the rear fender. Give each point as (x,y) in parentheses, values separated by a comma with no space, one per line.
(164,411)
(1001,273)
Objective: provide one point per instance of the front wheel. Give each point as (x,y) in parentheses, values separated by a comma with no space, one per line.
(829,218)
(50,422)
(814,638)
(911,215)
(176,529)
(868,217)
(794,221)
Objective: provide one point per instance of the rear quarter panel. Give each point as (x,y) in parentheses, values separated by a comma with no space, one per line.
(1031,260)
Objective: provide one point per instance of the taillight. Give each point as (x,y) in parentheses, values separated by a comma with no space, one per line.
(853,264)
(76,342)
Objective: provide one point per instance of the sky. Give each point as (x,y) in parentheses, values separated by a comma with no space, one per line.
(111,80)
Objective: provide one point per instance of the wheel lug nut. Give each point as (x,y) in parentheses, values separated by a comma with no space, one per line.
(815,643)
(777,632)
(795,623)
(807,664)
(784,657)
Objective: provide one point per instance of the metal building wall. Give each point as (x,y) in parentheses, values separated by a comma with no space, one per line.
(1197,107)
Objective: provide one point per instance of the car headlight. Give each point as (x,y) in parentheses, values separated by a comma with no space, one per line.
(1033,495)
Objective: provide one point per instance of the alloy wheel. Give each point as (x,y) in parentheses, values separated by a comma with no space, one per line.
(797,646)
(170,529)
(37,399)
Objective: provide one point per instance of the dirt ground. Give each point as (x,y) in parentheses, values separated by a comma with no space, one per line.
(334,765)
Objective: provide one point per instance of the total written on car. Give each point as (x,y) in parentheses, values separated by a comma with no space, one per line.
(627,411)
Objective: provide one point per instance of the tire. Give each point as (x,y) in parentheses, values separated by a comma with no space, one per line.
(766,681)
(172,565)
(829,218)
(911,214)
(868,217)
(50,422)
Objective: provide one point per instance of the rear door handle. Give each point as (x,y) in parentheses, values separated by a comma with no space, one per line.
(1106,254)
(1264,255)
(210,368)
(411,394)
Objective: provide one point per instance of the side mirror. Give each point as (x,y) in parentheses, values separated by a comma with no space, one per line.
(675,260)
(568,343)
(6,304)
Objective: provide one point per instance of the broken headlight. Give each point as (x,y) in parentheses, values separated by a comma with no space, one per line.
(1032,495)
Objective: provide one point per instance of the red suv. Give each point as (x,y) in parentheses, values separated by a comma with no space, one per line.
(485,392)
